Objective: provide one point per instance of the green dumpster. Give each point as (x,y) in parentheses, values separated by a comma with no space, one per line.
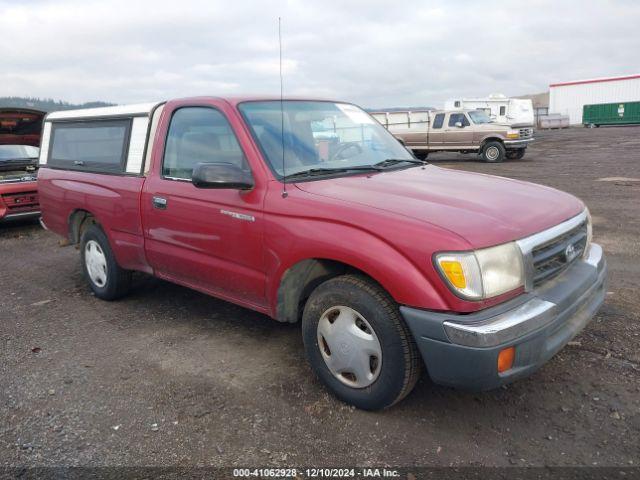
(623,113)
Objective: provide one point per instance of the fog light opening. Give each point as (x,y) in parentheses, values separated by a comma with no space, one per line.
(506,358)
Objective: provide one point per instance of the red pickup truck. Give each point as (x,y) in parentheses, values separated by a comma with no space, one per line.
(20,130)
(311,211)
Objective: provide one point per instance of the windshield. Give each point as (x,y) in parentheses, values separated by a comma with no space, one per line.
(478,117)
(18,152)
(319,135)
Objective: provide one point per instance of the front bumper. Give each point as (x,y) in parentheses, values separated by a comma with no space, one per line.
(19,200)
(520,143)
(462,350)
(19,216)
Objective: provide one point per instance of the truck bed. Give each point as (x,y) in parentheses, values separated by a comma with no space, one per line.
(113,199)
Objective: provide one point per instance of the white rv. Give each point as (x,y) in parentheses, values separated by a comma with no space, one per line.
(515,112)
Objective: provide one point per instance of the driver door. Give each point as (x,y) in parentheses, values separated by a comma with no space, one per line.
(457,136)
(208,239)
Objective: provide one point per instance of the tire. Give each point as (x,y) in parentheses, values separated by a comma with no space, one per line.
(493,152)
(106,278)
(516,154)
(389,373)
(421,155)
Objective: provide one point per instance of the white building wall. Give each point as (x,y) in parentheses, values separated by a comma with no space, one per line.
(569,99)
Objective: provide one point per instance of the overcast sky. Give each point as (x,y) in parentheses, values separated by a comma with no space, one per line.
(374,53)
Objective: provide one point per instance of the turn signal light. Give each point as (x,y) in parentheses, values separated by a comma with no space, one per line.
(505,359)
(454,272)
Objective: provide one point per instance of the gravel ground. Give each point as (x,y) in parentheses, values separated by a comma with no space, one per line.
(170,377)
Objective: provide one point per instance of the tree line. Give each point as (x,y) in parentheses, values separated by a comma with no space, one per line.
(47,104)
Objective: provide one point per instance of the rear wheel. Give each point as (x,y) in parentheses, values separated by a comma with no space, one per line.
(357,343)
(516,154)
(421,155)
(105,277)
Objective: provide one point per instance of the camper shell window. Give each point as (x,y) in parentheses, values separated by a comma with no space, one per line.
(92,146)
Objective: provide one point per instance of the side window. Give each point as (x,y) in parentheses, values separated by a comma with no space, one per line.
(438,120)
(503,110)
(458,117)
(199,135)
(93,146)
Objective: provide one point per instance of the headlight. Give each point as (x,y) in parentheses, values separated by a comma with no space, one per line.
(589,234)
(513,134)
(483,273)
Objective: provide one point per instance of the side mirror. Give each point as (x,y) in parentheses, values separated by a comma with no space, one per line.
(458,124)
(221,175)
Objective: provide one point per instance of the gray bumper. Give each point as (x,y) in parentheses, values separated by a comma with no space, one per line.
(509,144)
(462,350)
(20,216)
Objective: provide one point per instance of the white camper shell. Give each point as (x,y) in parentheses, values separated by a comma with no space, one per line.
(515,112)
(65,130)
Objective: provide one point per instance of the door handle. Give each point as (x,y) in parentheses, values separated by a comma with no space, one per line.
(159,203)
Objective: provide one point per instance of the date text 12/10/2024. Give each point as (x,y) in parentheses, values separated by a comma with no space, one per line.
(315,473)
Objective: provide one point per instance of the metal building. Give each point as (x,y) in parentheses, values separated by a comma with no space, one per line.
(568,98)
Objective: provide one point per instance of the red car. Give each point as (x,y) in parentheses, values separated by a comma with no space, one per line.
(311,211)
(19,141)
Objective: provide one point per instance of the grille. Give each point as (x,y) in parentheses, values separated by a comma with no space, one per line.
(551,258)
(526,132)
(21,202)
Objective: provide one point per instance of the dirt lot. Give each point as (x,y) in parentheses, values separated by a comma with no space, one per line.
(168,376)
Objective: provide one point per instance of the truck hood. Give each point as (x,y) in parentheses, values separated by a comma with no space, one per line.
(493,126)
(483,209)
(20,126)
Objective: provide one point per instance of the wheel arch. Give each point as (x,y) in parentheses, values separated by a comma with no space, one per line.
(78,220)
(128,254)
(491,139)
(299,280)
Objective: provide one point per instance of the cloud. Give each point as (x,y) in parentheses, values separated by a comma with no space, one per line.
(371,52)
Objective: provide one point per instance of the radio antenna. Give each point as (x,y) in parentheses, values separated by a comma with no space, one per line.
(284,175)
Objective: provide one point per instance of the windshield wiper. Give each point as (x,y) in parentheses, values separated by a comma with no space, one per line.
(383,165)
(390,162)
(328,171)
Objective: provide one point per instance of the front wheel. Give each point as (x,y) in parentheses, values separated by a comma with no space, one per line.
(493,152)
(105,277)
(357,343)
